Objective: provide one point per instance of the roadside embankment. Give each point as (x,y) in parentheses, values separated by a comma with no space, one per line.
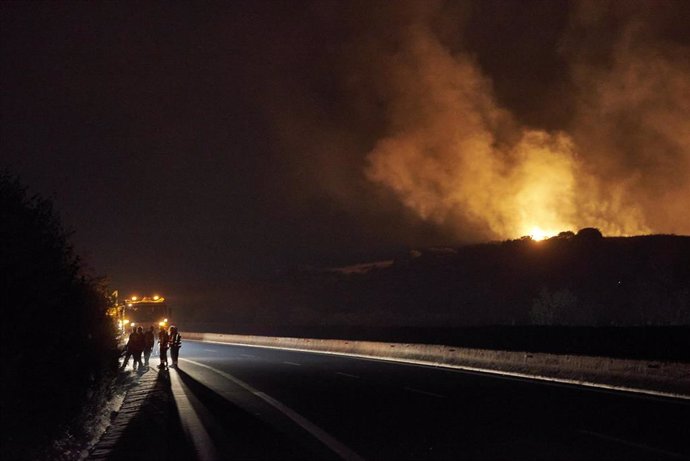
(650,377)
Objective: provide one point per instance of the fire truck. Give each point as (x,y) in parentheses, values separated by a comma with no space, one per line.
(142,311)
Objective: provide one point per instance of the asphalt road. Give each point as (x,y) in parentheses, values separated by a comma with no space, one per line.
(257,403)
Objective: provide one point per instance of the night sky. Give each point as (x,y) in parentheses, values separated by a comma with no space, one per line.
(191,145)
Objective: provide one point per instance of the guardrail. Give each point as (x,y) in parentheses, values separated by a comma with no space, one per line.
(670,379)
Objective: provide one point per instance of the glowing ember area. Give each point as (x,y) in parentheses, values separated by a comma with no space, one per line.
(507,191)
(537,234)
(539,180)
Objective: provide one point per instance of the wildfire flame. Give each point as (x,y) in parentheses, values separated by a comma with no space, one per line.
(538,234)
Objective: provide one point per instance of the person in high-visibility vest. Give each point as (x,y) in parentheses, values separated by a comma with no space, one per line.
(175,344)
(163,339)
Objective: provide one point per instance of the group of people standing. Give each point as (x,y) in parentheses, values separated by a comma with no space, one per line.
(142,342)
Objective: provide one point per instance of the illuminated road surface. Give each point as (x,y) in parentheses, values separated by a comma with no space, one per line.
(257,403)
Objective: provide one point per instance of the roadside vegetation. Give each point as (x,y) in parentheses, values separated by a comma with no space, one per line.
(58,347)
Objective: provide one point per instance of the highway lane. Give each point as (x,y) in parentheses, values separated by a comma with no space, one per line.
(259,403)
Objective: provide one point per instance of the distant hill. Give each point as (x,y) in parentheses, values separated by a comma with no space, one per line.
(575,294)
(571,279)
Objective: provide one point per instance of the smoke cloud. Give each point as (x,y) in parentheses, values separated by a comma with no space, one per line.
(453,155)
(632,119)
(422,120)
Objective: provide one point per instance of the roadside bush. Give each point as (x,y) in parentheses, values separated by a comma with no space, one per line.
(57,344)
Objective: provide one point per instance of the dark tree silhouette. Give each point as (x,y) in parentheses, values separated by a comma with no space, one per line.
(57,344)
(588,233)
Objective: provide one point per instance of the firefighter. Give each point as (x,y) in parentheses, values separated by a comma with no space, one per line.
(149,341)
(175,345)
(136,345)
(163,339)
(128,349)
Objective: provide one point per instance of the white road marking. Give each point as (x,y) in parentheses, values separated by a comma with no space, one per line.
(631,444)
(325,438)
(193,427)
(346,374)
(504,374)
(293,363)
(211,350)
(419,391)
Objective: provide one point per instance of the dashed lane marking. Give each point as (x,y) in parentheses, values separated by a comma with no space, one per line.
(431,394)
(293,363)
(321,435)
(346,374)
